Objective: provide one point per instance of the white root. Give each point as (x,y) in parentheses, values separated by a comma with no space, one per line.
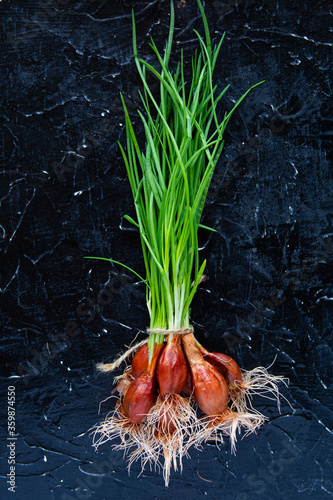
(161,440)
(228,424)
(256,382)
(134,441)
(173,421)
(172,426)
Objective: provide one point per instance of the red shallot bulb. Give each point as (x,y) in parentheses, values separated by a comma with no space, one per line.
(171,368)
(188,386)
(140,395)
(140,361)
(210,387)
(225,364)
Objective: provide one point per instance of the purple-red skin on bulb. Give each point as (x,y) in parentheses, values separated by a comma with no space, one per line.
(225,364)
(210,388)
(139,398)
(140,361)
(171,370)
(188,386)
(141,393)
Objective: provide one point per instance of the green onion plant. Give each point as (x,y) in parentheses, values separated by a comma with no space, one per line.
(174,378)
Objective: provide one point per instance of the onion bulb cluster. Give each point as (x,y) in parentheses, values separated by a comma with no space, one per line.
(181,366)
(180,396)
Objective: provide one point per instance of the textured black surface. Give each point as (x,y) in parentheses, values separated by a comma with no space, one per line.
(63,192)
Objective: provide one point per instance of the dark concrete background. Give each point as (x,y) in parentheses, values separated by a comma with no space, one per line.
(64,191)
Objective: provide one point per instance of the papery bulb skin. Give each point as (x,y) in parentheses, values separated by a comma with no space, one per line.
(139,398)
(140,361)
(225,364)
(210,388)
(171,368)
(140,395)
(124,382)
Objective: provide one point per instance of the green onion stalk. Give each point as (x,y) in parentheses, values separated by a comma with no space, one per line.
(170,180)
(176,393)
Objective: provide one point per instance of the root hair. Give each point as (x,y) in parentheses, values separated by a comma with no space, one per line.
(173,421)
(135,440)
(256,382)
(172,425)
(229,424)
